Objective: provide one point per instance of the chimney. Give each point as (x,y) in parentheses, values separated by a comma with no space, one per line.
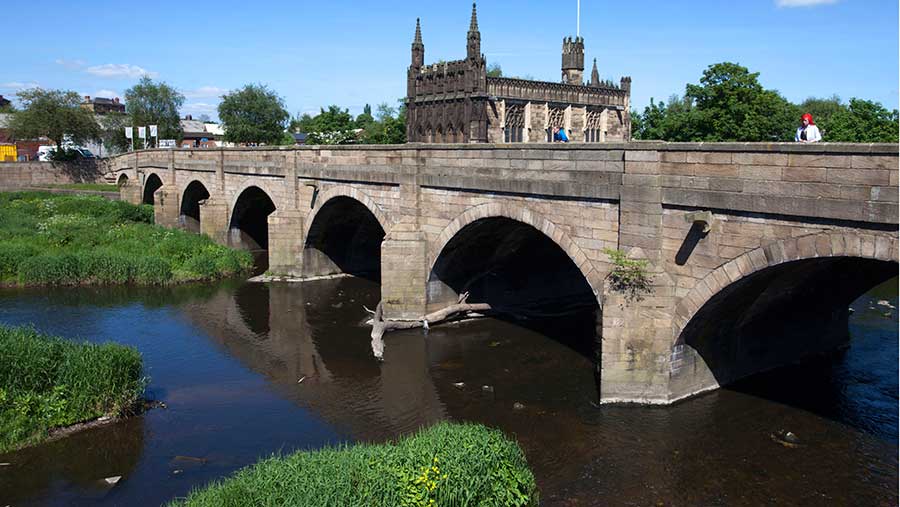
(87,98)
(116,100)
(188,117)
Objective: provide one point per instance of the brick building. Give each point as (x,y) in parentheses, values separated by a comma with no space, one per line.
(100,105)
(457,102)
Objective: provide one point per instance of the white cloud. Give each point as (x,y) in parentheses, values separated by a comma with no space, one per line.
(200,107)
(17,85)
(71,64)
(106,94)
(119,70)
(205,92)
(803,3)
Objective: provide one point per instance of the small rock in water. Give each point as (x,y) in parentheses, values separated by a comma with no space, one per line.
(301,379)
(518,406)
(888,314)
(338,305)
(112,480)
(103,418)
(5,464)
(791,437)
(786,438)
(885,302)
(850,310)
(493,344)
(487,388)
(459,385)
(176,472)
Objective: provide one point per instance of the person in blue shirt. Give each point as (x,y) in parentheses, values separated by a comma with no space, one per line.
(560,135)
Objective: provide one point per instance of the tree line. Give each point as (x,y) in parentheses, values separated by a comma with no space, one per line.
(729,104)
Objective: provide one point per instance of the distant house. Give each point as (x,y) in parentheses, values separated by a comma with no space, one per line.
(4,101)
(26,148)
(198,134)
(100,105)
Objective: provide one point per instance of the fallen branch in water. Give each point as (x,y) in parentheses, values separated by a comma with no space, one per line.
(381,326)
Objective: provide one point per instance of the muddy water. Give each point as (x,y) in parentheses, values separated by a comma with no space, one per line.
(247,370)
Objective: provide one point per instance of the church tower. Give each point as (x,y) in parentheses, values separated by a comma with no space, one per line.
(473,45)
(573,60)
(418,49)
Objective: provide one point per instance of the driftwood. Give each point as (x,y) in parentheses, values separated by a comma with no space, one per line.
(381,326)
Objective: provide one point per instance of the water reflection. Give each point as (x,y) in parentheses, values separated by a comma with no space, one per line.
(250,369)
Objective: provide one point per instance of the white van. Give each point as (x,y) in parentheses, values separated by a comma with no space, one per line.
(44,153)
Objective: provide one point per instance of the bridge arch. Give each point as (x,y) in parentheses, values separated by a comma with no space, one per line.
(152,183)
(189,214)
(248,227)
(558,235)
(779,303)
(122,180)
(343,234)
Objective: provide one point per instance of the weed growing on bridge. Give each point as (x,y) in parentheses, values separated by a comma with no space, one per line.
(51,239)
(628,276)
(47,382)
(447,464)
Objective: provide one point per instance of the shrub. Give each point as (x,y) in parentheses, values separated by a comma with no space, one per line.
(51,269)
(447,464)
(152,270)
(12,255)
(628,276)
(50,382)
(66,239)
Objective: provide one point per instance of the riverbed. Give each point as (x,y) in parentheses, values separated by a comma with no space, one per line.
(246,370)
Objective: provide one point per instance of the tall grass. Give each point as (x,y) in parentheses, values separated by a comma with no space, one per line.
(445,465)
(50,239)
(48,382)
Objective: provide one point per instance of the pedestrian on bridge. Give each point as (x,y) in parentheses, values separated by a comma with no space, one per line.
(808,132)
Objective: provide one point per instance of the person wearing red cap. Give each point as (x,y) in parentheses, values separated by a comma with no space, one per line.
(807,132)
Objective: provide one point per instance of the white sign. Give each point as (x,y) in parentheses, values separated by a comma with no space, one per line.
(142,132)
(166,143)
(153,131)
(129,132)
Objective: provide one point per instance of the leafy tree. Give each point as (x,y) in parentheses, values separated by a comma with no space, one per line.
(494,70)
(112,132)
(365,118)
(56,114)
(253,114)
(863,121)
(331,126)
(150,103)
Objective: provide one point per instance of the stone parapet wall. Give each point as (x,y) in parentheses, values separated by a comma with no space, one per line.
(14,175)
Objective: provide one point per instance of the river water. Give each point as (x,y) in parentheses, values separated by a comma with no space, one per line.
(247,370)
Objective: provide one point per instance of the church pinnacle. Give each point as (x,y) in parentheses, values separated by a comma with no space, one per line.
(595,76)
(473,45)
(473,23)
(418,38)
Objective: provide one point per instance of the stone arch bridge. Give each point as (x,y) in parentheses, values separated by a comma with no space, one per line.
(754,250)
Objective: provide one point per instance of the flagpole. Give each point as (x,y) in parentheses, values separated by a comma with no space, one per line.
(578,20)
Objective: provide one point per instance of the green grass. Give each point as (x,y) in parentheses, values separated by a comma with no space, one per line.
(445,465)
(51,239)
(47,382)
(102,187)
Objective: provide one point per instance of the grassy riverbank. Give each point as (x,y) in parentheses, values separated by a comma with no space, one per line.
(47,382)
(50,239)
(447,464)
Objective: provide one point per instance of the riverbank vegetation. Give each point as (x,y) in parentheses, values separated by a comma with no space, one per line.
(447,464)
(50,239)
(47,382)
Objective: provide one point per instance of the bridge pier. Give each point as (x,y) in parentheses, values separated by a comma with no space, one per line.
(165,207)
(286,242)
(404,273)
(214,219)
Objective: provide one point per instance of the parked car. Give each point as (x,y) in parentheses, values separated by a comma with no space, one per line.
(45,153)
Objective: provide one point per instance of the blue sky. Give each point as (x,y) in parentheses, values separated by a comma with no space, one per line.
(352,53)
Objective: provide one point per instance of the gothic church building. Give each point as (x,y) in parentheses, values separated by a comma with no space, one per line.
(456,102)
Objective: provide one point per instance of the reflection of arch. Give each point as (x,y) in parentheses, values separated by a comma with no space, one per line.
(151,184)
(822,245)
(526,216)
(343,235)
(352,193)
(189,216)
(122,180)
(249,225)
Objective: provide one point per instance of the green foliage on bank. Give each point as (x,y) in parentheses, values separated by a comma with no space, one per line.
(730,104)
(49,239)
(445,465)
(47,382)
